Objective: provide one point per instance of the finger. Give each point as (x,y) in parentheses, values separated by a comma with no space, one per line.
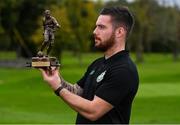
(54,70)
(40,69)
(43,70)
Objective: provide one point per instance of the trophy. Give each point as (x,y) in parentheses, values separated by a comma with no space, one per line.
(42,60)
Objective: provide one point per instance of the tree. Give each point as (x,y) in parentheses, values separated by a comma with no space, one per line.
(65,36)
(82,16)
(144,12)
(19,23)
(174,31)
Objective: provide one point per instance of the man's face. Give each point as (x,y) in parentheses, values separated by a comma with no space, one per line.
(104,33)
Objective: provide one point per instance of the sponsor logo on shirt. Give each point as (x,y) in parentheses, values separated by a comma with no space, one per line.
(92,72)
(101,76)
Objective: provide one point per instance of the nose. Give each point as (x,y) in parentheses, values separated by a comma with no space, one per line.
(95,31)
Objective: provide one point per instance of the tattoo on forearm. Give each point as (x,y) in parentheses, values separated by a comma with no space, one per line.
(76,89)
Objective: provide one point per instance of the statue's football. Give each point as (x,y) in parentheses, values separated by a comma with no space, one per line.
(40,54)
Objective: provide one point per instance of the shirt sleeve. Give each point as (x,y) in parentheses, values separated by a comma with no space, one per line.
(115,86)
(83,79)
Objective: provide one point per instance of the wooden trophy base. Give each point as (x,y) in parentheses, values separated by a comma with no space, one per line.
(43,62)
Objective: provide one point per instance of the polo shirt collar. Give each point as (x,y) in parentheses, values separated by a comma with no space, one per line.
(117,56)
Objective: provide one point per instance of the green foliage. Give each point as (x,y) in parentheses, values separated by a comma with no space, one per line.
(156,26)
(82,16)
(18,23)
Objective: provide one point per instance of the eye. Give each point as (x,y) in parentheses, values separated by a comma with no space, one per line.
(101,26)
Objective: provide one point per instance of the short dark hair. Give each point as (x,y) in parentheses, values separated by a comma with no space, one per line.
(120,16)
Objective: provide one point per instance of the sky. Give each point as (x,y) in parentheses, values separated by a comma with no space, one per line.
(168,2)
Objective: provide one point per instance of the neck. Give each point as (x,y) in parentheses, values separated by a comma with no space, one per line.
(115,49)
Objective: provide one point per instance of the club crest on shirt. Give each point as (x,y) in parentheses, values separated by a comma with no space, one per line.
(101,76)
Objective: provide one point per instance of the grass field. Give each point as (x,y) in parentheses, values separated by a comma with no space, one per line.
(25,98)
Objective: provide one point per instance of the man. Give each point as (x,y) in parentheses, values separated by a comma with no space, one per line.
(50,24)
(105,93)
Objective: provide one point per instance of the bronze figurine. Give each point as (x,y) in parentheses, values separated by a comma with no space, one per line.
(42,60)
(50,25)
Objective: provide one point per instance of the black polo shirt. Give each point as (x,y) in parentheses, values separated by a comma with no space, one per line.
(114,80)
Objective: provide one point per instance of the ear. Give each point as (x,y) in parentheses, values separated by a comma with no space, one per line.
(120,32)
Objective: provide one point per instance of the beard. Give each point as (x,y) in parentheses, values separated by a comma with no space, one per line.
(105,45)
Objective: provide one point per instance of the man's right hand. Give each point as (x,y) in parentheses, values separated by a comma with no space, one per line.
(51,76)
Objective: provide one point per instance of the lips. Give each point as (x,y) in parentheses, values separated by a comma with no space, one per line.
(97,38)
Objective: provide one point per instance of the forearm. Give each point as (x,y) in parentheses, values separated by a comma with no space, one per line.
(76,89)
(89,109)
(79,104)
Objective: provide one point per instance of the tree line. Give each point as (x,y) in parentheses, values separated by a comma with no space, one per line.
(156,29)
